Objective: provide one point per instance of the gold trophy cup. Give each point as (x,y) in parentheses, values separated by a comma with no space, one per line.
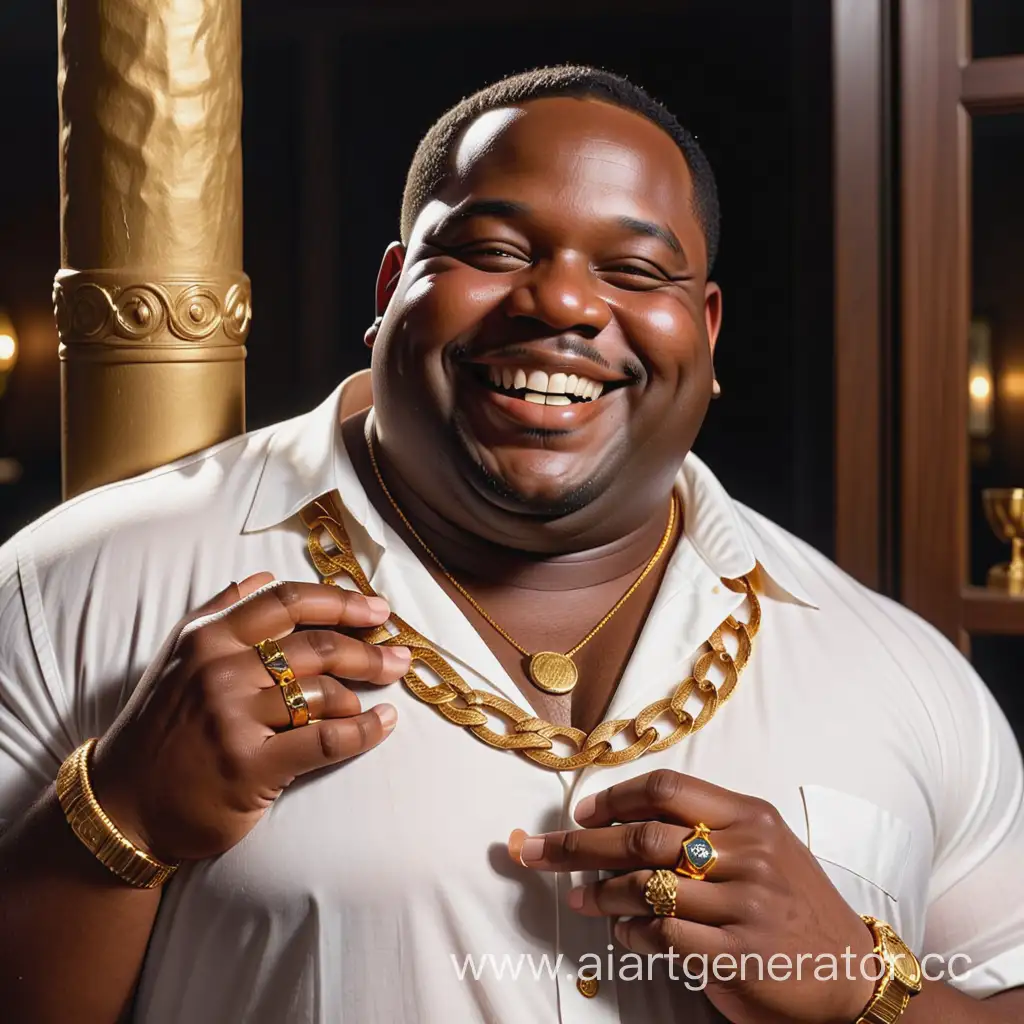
(1004,508)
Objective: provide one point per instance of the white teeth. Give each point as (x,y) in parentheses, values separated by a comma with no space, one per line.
(542,387)
(537,381)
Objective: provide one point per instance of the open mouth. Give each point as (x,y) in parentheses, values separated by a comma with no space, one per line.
(541,387)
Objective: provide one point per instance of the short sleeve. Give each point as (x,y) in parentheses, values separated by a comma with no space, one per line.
(976,892)
(34,722)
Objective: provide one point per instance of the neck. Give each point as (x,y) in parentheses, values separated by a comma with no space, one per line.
(470,557)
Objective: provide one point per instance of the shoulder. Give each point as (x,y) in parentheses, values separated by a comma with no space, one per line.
(73,583)
(188,490)
(865,637)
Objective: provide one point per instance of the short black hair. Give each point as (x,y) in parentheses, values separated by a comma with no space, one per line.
(432,161)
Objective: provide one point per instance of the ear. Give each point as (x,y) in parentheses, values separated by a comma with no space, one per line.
(387,280)
(712,313)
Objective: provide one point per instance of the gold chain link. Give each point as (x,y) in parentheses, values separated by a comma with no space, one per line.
(532,736)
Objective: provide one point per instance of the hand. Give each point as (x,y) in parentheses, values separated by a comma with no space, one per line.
(191,765)
(765,895)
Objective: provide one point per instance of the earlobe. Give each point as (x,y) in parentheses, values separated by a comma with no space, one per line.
(370,336)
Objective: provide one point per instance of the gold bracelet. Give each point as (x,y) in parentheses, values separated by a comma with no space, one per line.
(101,837)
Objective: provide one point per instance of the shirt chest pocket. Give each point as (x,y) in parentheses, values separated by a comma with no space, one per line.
(868,844)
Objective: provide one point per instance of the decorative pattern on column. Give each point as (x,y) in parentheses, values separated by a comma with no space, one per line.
(151,302)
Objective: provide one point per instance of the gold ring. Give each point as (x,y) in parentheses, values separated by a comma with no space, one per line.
(660,893)
(697,855)
(295,702)
(275,662)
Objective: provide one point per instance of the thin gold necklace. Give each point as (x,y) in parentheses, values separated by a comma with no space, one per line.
(548,670)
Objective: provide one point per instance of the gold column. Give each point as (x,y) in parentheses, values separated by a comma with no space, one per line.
(151,303)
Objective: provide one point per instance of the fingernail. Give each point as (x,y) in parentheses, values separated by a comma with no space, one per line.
(575,898)
(585,808)
(387,715)
(378,606)
(400,657)
(533,849)
(515,845)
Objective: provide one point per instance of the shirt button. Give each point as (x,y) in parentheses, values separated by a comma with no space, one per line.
(587,987)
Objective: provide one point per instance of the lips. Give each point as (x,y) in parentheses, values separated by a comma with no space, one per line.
(552,401)
(540,385)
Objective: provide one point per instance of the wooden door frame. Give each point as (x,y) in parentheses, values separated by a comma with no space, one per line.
(863,184)
(935,305)
(941,88)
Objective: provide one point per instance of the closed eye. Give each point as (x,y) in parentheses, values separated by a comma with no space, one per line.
(496,258)
(635,276)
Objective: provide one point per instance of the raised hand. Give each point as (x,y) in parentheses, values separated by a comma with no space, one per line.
(193,762)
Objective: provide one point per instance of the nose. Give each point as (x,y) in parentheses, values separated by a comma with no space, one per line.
(561,292)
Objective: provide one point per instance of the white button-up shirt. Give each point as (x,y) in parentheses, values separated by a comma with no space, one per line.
(364,889)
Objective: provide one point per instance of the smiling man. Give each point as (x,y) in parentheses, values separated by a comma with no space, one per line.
(651,758)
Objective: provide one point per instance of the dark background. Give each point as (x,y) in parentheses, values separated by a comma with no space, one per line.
(336,98)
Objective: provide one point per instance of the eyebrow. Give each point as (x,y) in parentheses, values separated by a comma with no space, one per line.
(652,230)
(511,208)
(489,208)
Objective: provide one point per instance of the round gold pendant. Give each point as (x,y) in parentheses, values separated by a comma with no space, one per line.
(553,672)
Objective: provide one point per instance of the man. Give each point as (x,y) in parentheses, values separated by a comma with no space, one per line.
(540,809)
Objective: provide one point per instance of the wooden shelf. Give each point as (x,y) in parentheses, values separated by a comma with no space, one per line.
(989,611)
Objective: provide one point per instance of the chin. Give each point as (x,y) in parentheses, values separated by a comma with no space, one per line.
(539,495)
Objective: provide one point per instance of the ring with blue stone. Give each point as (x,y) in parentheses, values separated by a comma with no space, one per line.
(697,855)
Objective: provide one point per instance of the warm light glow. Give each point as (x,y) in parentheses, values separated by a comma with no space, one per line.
(1011,384)
(981,386)
(8,343)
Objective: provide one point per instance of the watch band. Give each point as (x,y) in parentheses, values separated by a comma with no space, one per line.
(888,1004)
(98,833)
(892,993)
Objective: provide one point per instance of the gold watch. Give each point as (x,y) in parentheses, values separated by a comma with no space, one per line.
(900,980)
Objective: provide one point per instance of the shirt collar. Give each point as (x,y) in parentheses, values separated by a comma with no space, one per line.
(306,458)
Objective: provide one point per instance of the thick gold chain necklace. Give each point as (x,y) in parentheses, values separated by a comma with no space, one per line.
(548,670)
(524,732)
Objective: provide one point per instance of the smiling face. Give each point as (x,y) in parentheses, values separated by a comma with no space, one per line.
(545,355)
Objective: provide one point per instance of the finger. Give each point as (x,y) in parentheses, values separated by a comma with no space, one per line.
(623,896)
(645,935)
(276,609)
(663,794)
(316,652)
(298,751)
(326,698)
(216,608)
(645,844)
(253,583)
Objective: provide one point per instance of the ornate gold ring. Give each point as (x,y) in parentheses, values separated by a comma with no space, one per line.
(275,662)
(295,702)
(660,893)
(697,855)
